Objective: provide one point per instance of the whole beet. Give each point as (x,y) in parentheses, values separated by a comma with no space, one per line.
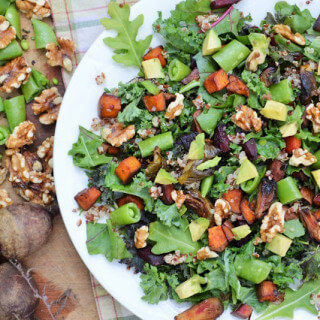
(24,228)
(17,300)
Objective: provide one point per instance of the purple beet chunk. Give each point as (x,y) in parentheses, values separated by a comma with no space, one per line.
(220,139)
(146,255)
(186,140)
(250,148)
(218,4)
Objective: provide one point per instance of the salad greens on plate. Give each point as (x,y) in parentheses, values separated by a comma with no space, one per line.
(204,170)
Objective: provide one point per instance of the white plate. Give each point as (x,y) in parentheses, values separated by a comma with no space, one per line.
(78,108)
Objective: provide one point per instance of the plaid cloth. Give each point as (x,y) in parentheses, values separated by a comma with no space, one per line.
(79,20)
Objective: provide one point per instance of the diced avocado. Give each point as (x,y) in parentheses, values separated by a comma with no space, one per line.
(211,43)
(282,91)
(241,232)
(196,151)
(164,177)
(289,129)
(198,227)
(208,164)
(274,110)
(247,171)
(190,287)
(209,120)
(152,69)
(279,245)
(316,176)
(316,165)
(294,229)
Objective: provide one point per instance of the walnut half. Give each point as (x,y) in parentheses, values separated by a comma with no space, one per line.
(116,134)
(246,119)
(5,200)
(48,105)
(34,8)
(313,114)
(7,33)
(286,32)
(302,156)
(22,135)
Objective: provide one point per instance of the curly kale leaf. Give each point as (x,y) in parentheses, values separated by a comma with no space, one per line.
(168,215)
(130,113)
(128,50)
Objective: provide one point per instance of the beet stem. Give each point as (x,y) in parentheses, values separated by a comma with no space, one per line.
(222,17)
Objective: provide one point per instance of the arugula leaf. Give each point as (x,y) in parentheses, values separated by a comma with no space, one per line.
(216,280)
(171,239)
(128,50)
(129,113)
(111,178)
(153,285)
(168,215)
(293,300)
(84,152)
(101,239)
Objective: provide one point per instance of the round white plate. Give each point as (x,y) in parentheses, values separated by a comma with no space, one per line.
(78,108)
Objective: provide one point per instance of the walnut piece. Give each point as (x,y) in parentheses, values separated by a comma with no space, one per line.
(175,108)
(255,58)
(61,54)
(116,134)
(302,156)
(5,200)
(205,253)
(13,74)
(178,197)
(273,222)
(45,153)
(3,174)
(140,237)
(7,33)
(222,210)
(48,105)
(286,32)
(175,259)
(22,135)
(33,185)
(34,8)
(313,114)
(246,119)
(205,21)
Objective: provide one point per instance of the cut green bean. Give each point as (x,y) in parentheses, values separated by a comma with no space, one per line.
(4,5)
(208,121)
(43,34)
(164,141)
(206,185)
(151,88)
(288,191)
(12,15)
(231,55)
(126,214)
(24,45)
(282,91)
(178,70)
(15,109)
(4,134)
(12,51)
(288,45)
(190,86)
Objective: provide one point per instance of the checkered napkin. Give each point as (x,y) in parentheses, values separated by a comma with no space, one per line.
(79,20)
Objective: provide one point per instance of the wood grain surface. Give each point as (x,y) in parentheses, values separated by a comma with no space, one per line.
(57,267)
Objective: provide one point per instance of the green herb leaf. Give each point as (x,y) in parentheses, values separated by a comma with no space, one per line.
(128,50)
(168,215)
(84,152)
(129,113)
(171,239)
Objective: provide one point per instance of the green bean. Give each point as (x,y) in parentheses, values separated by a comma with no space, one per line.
(231,55)
(4,134)
(15,109)
(12,15)
(192,84)
(12,51)
(126,214)
(289,46)
(24,45)
(288,191)
(4,5)
(164,141)
(43,34)
(206,185)
(282,91)
(178,70)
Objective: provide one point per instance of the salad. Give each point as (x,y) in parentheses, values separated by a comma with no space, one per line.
(204,170)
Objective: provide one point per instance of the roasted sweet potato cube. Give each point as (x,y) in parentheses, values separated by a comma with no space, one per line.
(127,168)
(216,81)
(237,86)
(267,291)
(109,106)
(156,53)
(217,239)
(247,212)
(87,197)
(131,199)
(234,197)
(208,309)
(228,233)
(243,312)
(155,103)
(228,224)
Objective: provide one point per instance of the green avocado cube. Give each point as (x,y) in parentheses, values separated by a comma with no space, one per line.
(198,227)
(164,177)
(279,245)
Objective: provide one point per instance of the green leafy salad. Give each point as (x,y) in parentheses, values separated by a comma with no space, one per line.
(204,170)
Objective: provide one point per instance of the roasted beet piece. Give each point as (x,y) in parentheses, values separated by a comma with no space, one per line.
(146,255)
(218,4)
(308,86)
(243,312)
(186,140)
(166,197)
(316,25)
(267,76)
(250,148)
(220,139)
(278,170)
(300,176)
(194,75)
(266,195)
(316,200)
